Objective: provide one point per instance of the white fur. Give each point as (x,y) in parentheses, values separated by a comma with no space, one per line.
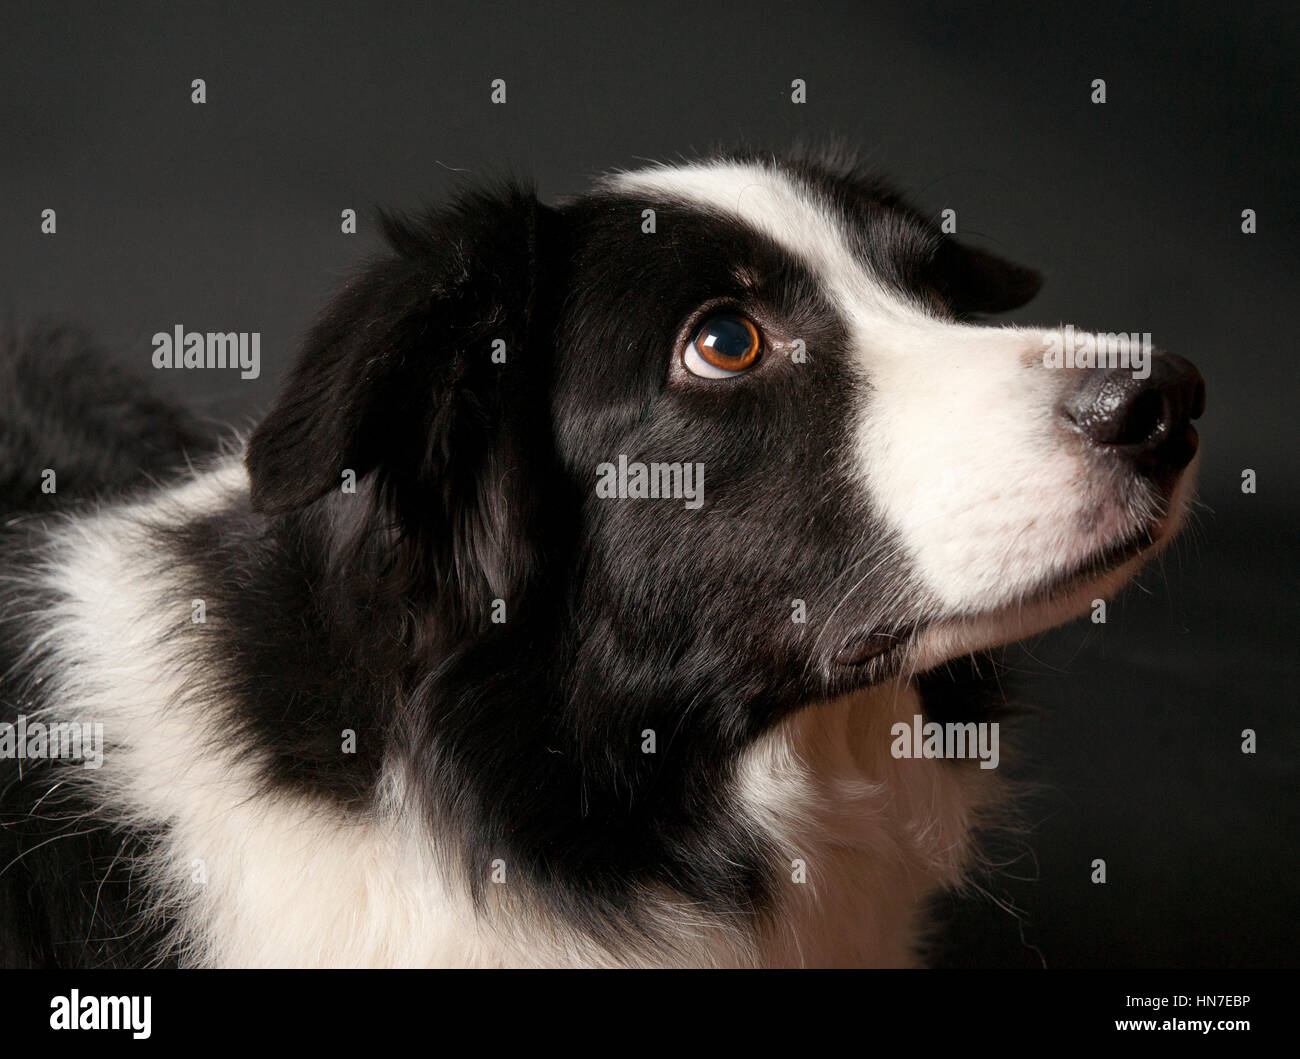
(958,447)
(961,444)
(260,879)
(878,836)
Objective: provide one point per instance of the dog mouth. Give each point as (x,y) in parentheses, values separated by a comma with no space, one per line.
(875,646)
(878,651)
(1095,567)
(922,642)
(1057,598)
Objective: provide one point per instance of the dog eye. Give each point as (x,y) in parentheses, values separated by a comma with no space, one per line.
(726,344)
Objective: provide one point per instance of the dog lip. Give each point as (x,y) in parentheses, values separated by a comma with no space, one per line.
(1097,565)
(867,646)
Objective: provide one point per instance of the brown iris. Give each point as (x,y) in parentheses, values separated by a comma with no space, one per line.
(728,341)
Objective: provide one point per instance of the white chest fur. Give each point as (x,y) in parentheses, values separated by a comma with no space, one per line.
(258,878)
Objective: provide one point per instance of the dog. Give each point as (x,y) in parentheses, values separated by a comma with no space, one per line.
(565,608)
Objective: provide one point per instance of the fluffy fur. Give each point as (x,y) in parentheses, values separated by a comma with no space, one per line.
(353,762)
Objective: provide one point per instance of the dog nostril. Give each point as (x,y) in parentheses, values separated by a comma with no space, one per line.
(1113,408)
(1142,420)
(1146,421)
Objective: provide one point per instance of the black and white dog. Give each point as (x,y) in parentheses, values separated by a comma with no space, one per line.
(561,611)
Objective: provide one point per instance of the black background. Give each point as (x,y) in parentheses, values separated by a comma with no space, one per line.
(225,216)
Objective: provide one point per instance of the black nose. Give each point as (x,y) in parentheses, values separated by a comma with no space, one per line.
(1147,420)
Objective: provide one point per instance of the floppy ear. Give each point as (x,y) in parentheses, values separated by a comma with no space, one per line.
(398,383)
(977,281)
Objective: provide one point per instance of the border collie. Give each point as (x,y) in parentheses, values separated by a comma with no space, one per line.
(562,610)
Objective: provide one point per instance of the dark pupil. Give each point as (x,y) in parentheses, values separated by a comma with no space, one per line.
(727,336)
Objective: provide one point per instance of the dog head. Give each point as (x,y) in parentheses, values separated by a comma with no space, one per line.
(731,430)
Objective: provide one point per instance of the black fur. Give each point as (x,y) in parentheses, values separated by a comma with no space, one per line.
(372,611)
(68,404)
(67,896)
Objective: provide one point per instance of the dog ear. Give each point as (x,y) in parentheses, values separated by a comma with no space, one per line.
(977,281)
(418,378)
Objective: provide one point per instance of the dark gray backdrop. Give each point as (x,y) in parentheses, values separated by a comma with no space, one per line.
(225,216)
